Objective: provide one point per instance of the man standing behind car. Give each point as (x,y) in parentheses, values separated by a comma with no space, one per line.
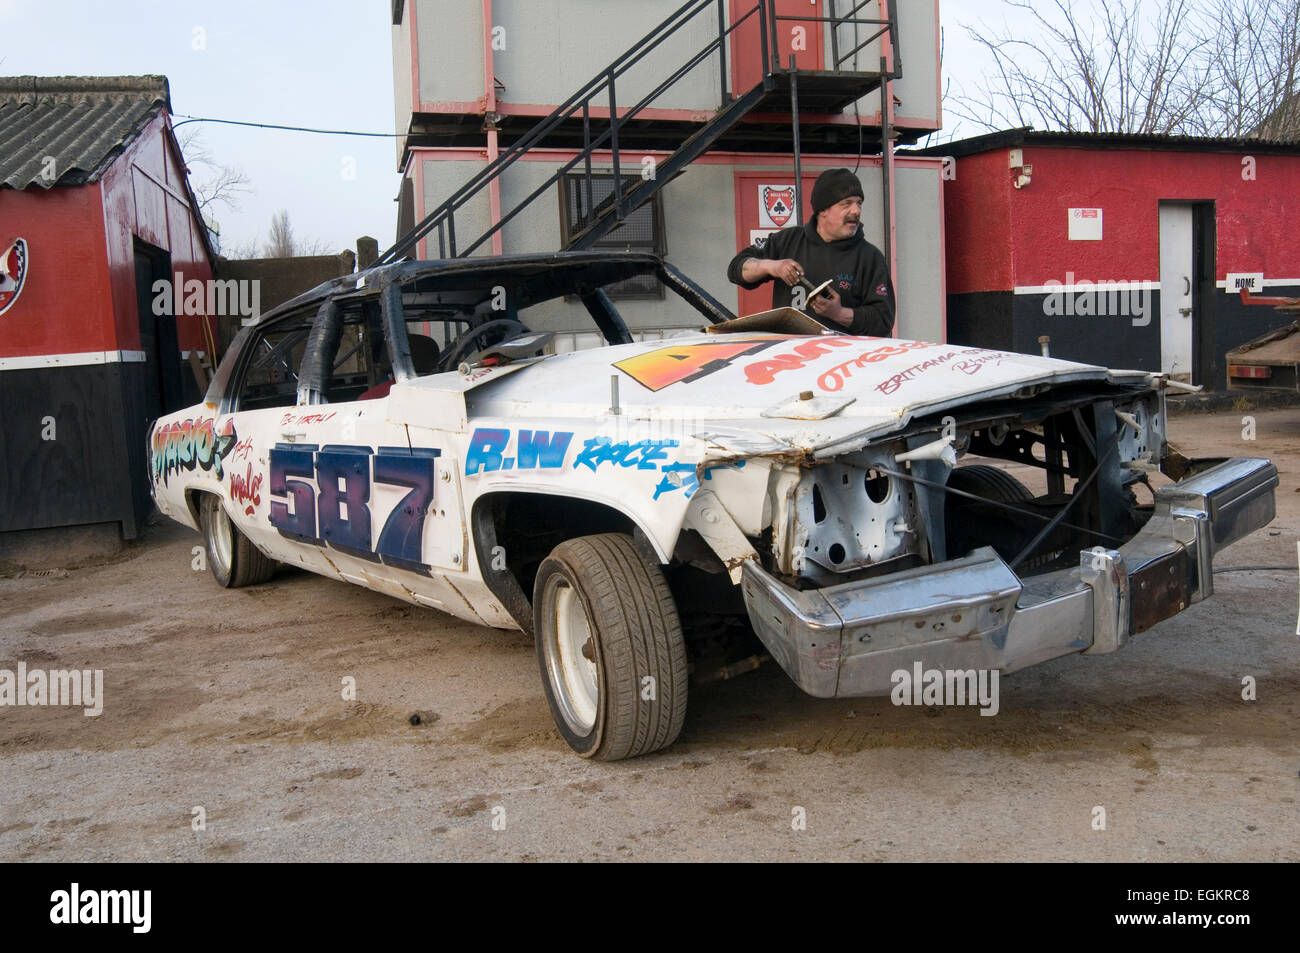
(831,246)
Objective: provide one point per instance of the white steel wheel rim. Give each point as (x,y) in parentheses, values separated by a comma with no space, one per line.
(573,675)
(219,533)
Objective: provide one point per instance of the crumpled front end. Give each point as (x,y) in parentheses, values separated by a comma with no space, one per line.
(975,612)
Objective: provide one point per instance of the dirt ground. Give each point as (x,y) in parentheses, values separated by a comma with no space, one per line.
(231,701)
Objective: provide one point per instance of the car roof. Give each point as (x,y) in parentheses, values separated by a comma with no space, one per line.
(534,277)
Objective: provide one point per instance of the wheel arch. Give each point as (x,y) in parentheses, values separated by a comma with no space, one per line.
(191,497)
(528,524)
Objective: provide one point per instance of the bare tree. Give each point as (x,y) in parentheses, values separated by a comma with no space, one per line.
(280,244)
(221,184)
(1253,65)
(283,243)
(248,248)
(1204,67)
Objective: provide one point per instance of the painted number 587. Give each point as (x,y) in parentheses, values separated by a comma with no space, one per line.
(339,512)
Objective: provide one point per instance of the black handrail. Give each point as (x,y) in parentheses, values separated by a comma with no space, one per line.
(564,111)
(442,218)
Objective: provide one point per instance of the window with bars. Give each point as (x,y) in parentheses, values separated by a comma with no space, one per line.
(643,230)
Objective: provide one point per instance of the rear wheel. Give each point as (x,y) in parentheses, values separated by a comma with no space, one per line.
(610,647)
(234,561)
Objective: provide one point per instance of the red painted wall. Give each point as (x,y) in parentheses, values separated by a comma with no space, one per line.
(1000,237)
(144,196)
(64,305)
(1254,218)
(80,289)
(977,224)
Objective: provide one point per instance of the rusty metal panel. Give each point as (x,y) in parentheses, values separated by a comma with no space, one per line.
(1161,589)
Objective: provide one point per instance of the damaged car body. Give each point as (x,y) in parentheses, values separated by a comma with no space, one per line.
(664,511)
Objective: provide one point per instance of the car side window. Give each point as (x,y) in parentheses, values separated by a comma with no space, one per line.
(360,362)
(270,373)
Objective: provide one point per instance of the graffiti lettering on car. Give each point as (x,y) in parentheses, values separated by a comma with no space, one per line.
(533,449)
(245,489)
(338,514)
(190,443)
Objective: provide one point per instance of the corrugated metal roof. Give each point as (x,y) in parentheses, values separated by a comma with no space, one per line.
(1027,135)
(81,123)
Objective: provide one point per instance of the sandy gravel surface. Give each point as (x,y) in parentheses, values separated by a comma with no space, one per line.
(231,701)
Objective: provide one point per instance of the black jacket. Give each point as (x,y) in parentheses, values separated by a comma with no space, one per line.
(859,269)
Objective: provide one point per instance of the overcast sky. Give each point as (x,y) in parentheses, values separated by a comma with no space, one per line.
(324,63)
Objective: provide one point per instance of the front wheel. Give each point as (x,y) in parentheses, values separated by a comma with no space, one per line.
(234,561)
(610,648)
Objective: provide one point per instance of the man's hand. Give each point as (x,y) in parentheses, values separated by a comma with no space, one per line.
(828,306)
(787,270)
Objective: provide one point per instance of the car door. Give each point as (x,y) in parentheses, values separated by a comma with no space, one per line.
(387,513)
(273,505)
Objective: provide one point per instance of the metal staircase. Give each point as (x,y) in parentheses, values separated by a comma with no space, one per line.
(573,124)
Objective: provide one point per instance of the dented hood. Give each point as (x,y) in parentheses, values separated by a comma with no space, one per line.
(757,393)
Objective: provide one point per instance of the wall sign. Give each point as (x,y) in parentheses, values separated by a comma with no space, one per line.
(1249,281)
(1085,224)
(13,273)
(775,205)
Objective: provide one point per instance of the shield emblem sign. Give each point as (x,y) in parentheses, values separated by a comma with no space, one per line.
(778,204)
(13,273)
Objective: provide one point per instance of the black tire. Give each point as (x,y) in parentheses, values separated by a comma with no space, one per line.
(604,587)
(234,561)
(987,482)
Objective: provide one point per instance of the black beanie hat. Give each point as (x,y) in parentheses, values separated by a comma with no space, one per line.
(832,186)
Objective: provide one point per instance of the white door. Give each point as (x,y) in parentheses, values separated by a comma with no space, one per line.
(1176,277)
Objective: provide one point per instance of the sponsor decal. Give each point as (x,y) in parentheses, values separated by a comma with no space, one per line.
(765,371)
(306,418)
(683,476)
(889,385)
(13,273)
(969,366)
(533,449)
(674,364)
(834,379)
(628,454)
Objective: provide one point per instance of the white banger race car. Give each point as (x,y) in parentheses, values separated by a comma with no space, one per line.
(645,508)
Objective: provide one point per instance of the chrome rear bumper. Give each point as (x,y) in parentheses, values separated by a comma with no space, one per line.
(976,613)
